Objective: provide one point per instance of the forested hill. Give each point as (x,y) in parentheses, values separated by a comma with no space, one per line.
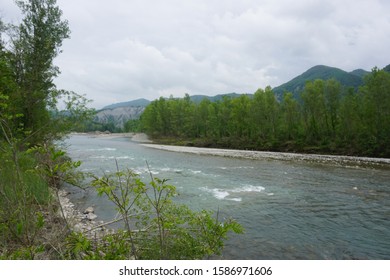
(347,79)
(114,117)
(326,119)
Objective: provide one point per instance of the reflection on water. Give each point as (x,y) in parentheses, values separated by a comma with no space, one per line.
(289,210)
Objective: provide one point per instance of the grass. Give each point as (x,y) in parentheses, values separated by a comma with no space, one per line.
(26,207)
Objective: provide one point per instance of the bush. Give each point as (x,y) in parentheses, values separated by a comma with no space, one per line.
(155,226)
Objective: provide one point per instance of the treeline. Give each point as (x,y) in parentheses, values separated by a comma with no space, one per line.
(326,118)
(110,125)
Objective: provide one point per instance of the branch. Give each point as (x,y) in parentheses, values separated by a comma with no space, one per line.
(118,220)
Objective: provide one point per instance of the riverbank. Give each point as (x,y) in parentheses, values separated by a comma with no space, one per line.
(84,222)
(259,155)
(350,161)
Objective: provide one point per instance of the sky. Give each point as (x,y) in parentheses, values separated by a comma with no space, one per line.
(122,50)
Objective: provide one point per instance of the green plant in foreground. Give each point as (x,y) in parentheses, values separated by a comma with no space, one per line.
(155,226)
(24,196)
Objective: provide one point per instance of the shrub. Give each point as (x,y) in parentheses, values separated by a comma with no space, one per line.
(155,227)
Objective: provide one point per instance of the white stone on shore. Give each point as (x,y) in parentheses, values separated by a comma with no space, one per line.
(330,159)
(91,216)
(89,210)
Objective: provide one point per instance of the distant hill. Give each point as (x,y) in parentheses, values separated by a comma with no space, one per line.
(359,72)
(135,103)
(199,98)
(348,79)
(119,113)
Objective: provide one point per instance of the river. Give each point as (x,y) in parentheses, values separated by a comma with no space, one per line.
(290,210)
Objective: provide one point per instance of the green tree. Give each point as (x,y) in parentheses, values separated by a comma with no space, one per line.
(241,117)
(350,125)
(314,111)
(34,45)
(202,118)
(291,118)
(376,100)
(265,111)
(332,93)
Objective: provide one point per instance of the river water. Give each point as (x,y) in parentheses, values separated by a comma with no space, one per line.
(289,210)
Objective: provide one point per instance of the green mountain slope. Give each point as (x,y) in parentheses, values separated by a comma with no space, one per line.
(348,79)
(359,72)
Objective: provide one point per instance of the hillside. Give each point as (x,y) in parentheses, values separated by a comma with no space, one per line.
(120,113)
(135,103)
(348,79)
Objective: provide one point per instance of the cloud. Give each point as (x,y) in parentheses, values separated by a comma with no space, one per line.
(122,50)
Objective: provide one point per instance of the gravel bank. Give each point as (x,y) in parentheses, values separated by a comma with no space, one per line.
(257,155)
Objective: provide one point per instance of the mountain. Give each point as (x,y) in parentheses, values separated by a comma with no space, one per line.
(348,79)
(359,72)
(119,115)
(142,102)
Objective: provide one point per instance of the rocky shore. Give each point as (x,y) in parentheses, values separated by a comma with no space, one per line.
(84,222)
(257,155)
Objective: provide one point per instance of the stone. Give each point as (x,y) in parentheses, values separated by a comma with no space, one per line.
(91,216)
(89,210)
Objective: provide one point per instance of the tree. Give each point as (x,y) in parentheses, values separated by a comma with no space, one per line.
(350,122)
(35,44)
(265,111)
(241,117)
(332,92)
(291,117)
(376,100)
(314,110)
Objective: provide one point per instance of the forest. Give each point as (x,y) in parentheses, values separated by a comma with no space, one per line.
(326,118)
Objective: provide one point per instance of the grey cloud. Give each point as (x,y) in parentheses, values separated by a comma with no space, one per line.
(122,50)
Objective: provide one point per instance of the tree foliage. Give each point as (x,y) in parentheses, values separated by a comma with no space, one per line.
(28,95)
(327,118)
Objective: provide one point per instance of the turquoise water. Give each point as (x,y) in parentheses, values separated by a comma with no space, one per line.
(289,210)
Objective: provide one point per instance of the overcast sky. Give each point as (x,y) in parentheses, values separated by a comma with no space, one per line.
(121,50)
